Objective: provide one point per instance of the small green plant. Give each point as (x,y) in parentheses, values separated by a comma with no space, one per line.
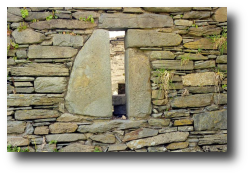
(14,58)
(10,148)
(199,50)
(55,150)
(224,86)
(35,20)
(24,12)
(181,16)
(185,60)
(89,18)
(53,16)
(52,142)
(220,41)
(97,149)
(195,25)
(22,26)
(12,45)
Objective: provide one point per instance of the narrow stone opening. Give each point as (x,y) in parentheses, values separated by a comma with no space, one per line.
(117,55)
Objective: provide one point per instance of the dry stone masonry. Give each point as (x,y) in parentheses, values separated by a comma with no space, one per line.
(59,88)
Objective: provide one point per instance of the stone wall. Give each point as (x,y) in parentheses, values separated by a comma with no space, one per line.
(59,79)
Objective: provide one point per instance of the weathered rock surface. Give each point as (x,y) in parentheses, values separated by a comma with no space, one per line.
(37,16)
(176,113)
(35,114)
(196,14)
(17,141)
(199,79)
(172,65)
(63,127)
(161,55)
(15,11)
(206,30)
(28,36)
(13,18)
(213,139)
(66,117)
(183,22)
(203,90)
(157,94)
(98,8)
(132,10)
(220,99)
(167,9)
(84,14)
(71,137)
(138,88)
(62,24)
(181,122)
(215,148)
(117,147)
(179,145)
(221,59)
(157,149)
(23,84)
(37,9)
(51,52)
(185,128)
(106,126)
(46,148)
(41,130)
(50,84)
(40,69)
(158,140)
(104,138)
(204,64)
(139,133)
(220,14)
(124,21)
(204,43)
(159,122)
(89,89)
(198,100)
(68,40)
(151,38)
(32,99)
(193,56)
(15,127)
(213,120)
(77,147)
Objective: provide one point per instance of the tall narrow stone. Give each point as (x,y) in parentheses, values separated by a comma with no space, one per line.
(89,89)
(138,88)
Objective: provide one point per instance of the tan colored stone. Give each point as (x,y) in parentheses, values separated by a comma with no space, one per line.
(27,36)
(167,9)
(207,30)
(158,140)
(160,102)
(117,147)
(35,114)
(161,55)
(198,100)
(204,43)
(192,56)
(17,141)
(107,138)
(15,127)
(196,14)
(67,117)
(139,133)
(220,14)
(132,10)
(199,79)
(179,145)
(172,65)
(183,122)
(68,137)
(183,22)
(77,147)
(40,130)
(204,64)
(159,122)
(63,127)
(157,94)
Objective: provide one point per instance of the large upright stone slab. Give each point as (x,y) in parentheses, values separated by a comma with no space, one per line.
(124,21)
(214,120)
(89,89)
(138,88)
(151,38)
(27,36)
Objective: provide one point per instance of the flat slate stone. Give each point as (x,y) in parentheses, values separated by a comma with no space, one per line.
(103,138)
(67,117)
(37,15)
(172,65)
(13,18)
(17,141)
(50,84)
(17,127)
(138,87)
(60,127)
(161,55)
(204,64)
(150,38)
(206,30)
(167,9)
(158,140)
(203,90)
(179,145)
(35,114)
(37,51)
(140,133)
(62,24)
(221,59)
(192,56)
(183,22)
(71,137)
(85,14)
(198,100)
(204,43)
(89,89)
(196,14)
(124,21)
(213,139)
(220,99)
(199,79)
(106,126)
(32,99)
(77,147)
(40,69)
(117,147)
(214,120)
(98,8)
(67,40)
